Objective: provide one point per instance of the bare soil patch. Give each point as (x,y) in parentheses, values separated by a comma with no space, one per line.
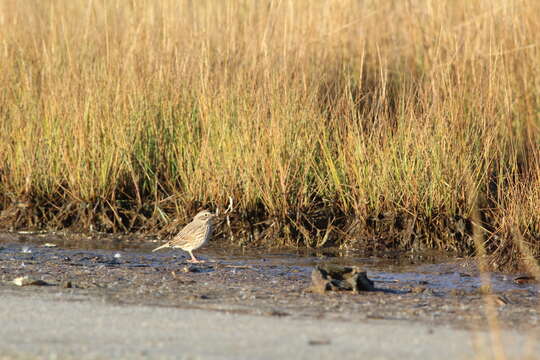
(270,284)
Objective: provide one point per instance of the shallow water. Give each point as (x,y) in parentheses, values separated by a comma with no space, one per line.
(428,287)
(431,270)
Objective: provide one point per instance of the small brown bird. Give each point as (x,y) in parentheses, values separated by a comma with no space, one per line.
(193,235)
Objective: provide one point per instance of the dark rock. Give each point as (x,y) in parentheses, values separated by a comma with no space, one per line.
(319,342)
(329,277)
(525,280)
(191,268)
(278,313)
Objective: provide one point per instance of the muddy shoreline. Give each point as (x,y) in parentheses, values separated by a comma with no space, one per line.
(327,227)
(408,288)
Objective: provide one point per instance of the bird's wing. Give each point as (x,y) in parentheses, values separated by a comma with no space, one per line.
(185,236)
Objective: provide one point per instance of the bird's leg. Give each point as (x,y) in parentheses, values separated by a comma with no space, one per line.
(194,259)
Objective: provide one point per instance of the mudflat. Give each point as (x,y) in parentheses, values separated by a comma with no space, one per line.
(251,305)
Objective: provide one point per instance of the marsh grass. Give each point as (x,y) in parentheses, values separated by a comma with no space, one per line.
(322,120)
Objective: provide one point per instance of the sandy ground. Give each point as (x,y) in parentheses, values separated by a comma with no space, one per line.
(63,326)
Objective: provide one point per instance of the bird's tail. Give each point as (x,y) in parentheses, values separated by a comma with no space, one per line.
(161,247)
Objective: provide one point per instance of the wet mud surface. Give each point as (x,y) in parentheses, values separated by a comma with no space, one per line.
(123,270)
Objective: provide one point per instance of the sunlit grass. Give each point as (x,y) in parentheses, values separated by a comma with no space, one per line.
(425,108)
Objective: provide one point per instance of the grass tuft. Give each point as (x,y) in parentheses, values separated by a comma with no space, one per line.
(325,122)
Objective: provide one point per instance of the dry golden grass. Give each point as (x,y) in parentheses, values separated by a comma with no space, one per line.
(140,110)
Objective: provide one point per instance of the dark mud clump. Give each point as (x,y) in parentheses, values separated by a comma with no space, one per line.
(330,277)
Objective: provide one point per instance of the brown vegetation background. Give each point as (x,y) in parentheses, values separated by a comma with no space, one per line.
(354,123)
